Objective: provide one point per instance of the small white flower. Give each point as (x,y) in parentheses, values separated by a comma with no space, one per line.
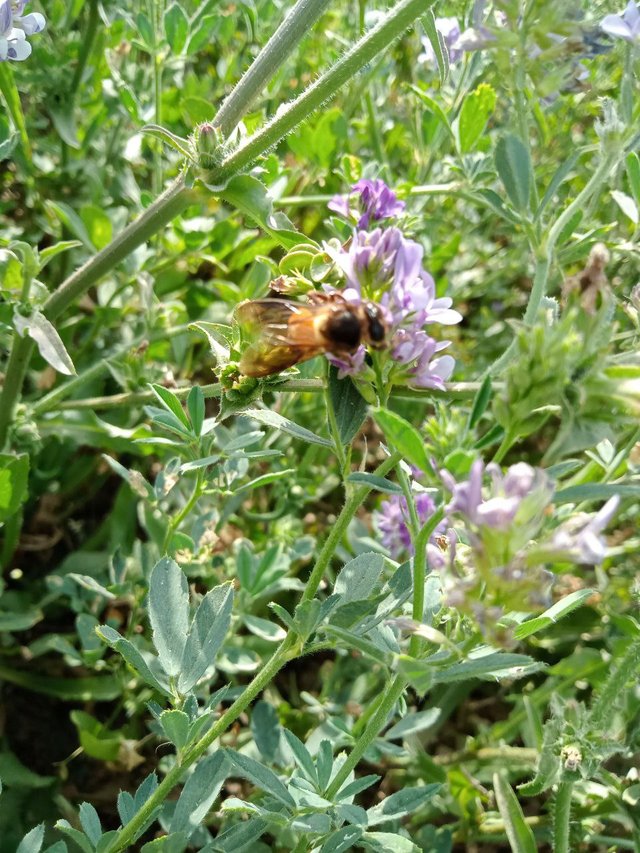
(14,29)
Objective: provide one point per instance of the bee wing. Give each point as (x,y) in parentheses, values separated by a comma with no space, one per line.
(281,333)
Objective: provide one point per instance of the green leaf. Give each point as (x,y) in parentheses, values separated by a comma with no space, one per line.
(132,656)
(372,481)
(476,109)
(383,842)
(276,421)
(199,793)
(248,195)
(353,788)
(520,836)
(557,180)
(195,407)
(261,777)
(179,143)
(50,252)
(514,168)
(99,688)
(90,822)
(98,225)
(47,340)
(412,723)
(480,402)
(32,841)
(176,27)
(401,803)
(79,837)
(626,204)
(558,611)
(437,43)
(266,730)
(342,839)
(171,403)
(239,837)
(67,215)
(434,107)
(14,477)
(358,578)
(302,756)
(96,740)
(169,614)
(175,725)
(596,492)
(403,438)
(633,174)
(349,405)
(206,635)
(145,28)
(488,665)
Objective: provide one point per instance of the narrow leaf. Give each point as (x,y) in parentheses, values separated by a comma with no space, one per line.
(437,43)
(514,168)
(208,630)
(518,832)
(261,777)
(276,421)
(200,792)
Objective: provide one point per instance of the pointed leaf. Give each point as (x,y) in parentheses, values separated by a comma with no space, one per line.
(514,168)
(32,841)
(261,777)
(131,655)
(520,836)
(47,340)
(404,438)
(349,406)
(200,792)
(273,419)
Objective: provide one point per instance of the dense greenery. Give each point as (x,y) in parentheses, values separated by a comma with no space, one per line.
(368,603)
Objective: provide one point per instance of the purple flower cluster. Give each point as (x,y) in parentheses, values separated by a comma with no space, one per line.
(375,199)
(14,29)
(383,265)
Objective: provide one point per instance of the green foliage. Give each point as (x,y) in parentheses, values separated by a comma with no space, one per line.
(200,607)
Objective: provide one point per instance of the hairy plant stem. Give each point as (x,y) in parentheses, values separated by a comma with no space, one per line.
(177,520)
(296,24)
(286,651)
(391,695)
(562,816)
(395,22)
(420,573)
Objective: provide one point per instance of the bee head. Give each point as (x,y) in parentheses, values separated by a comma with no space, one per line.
(376,326)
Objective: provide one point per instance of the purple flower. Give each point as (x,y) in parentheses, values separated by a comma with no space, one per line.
(579,539)
(508,494)
(348,365)
(14,29)
(625,26)
(449,29)
(375,197)
(393,522)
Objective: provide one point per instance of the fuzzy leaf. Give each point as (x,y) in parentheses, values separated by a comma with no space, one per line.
(48,341)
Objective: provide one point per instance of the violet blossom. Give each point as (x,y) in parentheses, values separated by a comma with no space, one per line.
(625,26)
(579,539)
(385,266)
(14,29)
(375,197)
(392,521)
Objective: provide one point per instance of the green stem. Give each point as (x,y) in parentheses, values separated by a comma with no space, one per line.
(507,442)
(88,39)
(561,817)
(177,520)
(158,61)
(333,427)
(173,201)
(283,653)
(12,99)
(455,390)
(420,573)
(16,369)
(398,19)
(393,692)
(295,25)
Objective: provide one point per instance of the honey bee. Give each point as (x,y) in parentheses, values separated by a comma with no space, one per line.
(283,332)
